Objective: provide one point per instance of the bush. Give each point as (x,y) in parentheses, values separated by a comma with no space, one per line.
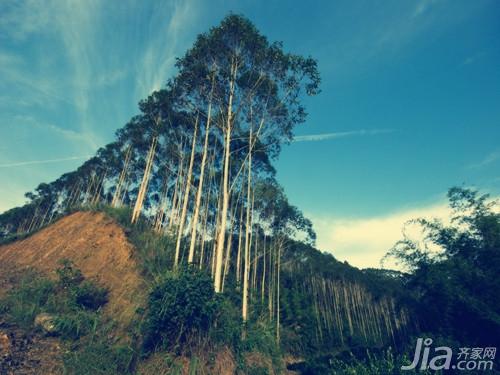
(181,309)
(227,324)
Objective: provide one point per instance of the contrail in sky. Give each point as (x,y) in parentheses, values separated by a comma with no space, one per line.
(325,136)
(22,163)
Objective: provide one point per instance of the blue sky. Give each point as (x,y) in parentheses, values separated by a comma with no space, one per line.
(410,101)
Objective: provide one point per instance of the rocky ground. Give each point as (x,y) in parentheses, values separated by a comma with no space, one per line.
(24,353)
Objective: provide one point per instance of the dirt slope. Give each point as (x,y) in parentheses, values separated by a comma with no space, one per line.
(97,245)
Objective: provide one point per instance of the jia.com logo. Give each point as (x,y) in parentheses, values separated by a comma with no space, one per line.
(467,359)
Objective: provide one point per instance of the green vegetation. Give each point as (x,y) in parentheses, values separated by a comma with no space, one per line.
(383,363)
(184,316)
(72,305)
(95,355)
(454,291)
(72,302)
(25,302)
(228,261)
(181,309)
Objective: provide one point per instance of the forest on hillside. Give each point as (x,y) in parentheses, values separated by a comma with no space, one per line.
(228,260)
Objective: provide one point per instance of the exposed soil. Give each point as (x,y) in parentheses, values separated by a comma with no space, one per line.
(28,354)
(99,248)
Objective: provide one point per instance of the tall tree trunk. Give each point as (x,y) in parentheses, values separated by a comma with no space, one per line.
(186,196)
(246,266)
(225,187)
(203,232)
(121,180)
(200,184)
(145,181)
(263,282)
(178,183)
(99,188)
(270,288)
(238,257)
(278,294)
(160,214)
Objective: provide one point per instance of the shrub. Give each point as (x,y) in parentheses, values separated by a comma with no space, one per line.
(227,324)
(181,309)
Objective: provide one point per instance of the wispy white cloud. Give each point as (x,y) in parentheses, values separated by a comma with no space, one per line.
(422,7)
(363,242)
(19,19)
(328,136)
(39,89)
(84,141)
(164,43)
(385,33)
(46,161)
(489,159)
(473,58)
(70,30)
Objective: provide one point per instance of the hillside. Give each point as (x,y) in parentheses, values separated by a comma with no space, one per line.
(321,312)
(96,245)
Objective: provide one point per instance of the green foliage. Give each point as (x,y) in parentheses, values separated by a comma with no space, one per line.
(71,300)
(181,309)
(454,291)
(69,276)
(226,325)
(74,324)
(96,356)
(383,363)
(74,304)
(24,303)
(260,336)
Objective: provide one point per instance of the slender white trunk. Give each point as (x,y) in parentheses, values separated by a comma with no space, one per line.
(278,295)
(238,257)
(145,181)
(246,267)
(225,187)
(263,282)
(121,180)
(200,186)
(180,230)
(178,183)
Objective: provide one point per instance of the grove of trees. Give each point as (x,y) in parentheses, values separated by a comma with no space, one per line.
(196,161)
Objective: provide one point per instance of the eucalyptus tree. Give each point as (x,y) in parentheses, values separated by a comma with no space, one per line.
(255,88)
